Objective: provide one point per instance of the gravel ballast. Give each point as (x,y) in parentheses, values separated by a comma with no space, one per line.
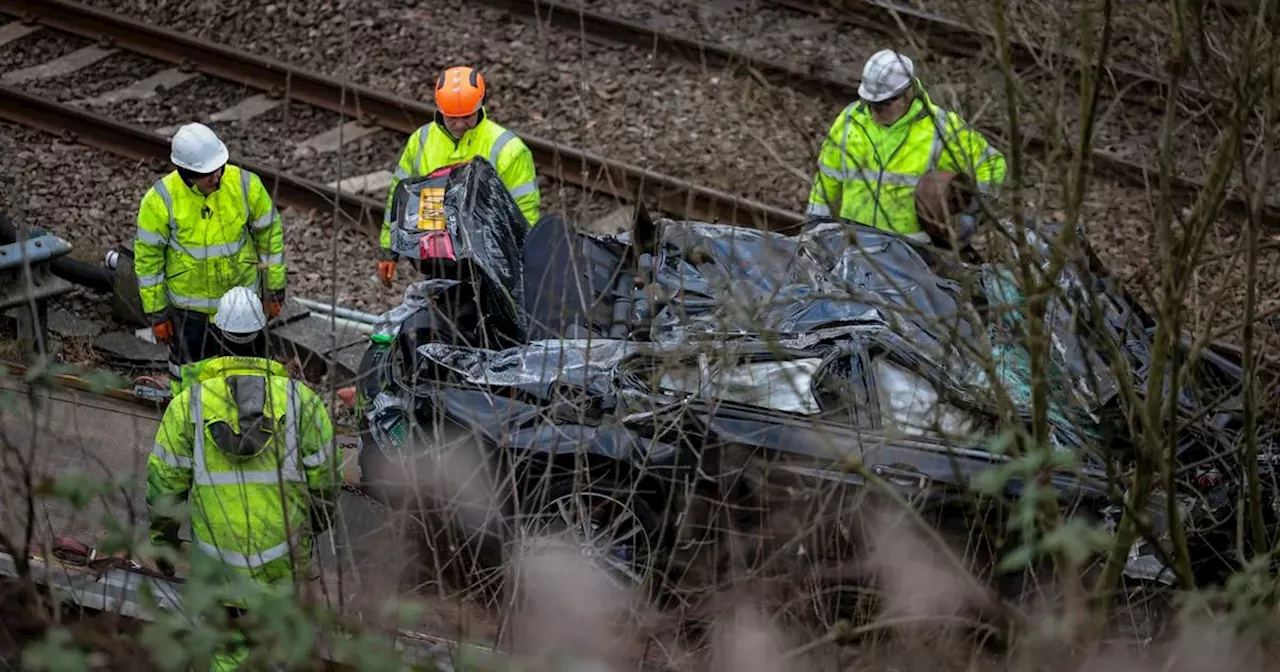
(38,47)
(714,128)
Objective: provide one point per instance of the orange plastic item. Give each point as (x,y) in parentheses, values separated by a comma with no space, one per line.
(163,331)
(459,92)
(386,271)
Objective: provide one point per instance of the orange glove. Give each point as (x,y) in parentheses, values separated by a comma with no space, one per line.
(386,271)
(273,309)
(163,331)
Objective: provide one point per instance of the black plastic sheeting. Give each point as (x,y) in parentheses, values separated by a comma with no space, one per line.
(566,272)
(832,287)
(731,282)
(864,304)
(485,224)
(866,287)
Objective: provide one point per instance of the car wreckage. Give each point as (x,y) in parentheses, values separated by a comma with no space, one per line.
(646,391)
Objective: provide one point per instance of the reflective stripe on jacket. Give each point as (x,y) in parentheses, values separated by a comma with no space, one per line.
(431,148)
(191,248)
(868,173)
(247,512)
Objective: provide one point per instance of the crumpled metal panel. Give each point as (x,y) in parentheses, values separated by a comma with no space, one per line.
(834,281)
(725,281)
(589,364)
(416,297)
(781,386)
(524,426)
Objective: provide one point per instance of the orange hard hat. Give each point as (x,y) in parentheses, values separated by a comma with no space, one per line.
(459,92)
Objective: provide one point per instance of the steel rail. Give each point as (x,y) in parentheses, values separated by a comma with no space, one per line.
(621,31)
(1238,6)
(950,36)
(942,33)
(141,144)
(967,41)
(561,162)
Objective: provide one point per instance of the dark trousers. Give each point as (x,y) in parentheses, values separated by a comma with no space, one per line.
(193,340)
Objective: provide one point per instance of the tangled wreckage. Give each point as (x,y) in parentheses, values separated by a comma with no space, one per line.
(644,392)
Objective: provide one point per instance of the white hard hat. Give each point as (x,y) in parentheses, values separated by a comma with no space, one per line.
(240,315)
(198,149)
(886,74)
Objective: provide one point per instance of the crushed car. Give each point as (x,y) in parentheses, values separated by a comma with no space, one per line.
(650,392)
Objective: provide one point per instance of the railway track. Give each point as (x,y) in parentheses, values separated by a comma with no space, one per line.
(144,145)
(949,36)
(1123,82)
(366,110)
(369,110)
(1127,81)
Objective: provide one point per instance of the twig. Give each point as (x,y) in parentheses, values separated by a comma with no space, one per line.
(837,634)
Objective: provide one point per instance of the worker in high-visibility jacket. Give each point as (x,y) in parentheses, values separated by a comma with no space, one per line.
(462,130)
(204,228)
(250,454)
(880,147)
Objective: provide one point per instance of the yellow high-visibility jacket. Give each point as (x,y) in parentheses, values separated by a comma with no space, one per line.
(867,173)
(431,148)
(191,248)
(194,371)
(255,513)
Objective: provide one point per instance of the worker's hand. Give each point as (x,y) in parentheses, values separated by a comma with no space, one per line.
(163,331)
(386,271)
(273,303)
